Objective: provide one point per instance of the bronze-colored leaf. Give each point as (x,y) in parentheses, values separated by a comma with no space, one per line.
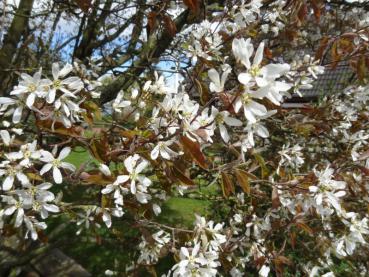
(203,91)
(59,128)
(178,174)
(293,239)
(106,201)
(335,56)
(34,176)
(151,22)
(193,5)
(98,179)
(275,198)
(243,180)
(260,160)
(193,148)
(316,9)
(304,227)
(302,12)
(92,109)
(361,69)
(99,148)
(322,48)
(227,185)
(84,5)
(169,25)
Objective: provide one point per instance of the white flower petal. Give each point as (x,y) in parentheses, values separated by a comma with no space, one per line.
(223,133)
(104,169)
(30,100)
(45,168)
(68,166)
(58,178)
(5,136)
(107,219)
(8,183)
(55,70)
(52,208)
(46,156)
(64,153)
(155,152)
(259,54)
(19,218)
(230,121)
(17,115)
(244,78)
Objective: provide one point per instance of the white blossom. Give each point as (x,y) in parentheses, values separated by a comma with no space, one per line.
(56,163)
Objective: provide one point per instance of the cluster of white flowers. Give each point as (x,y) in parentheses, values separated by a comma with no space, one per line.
(24,194)
(291,157)
(61,94)
(345,245)
(327,192)
(203,42)
(151,251)
(138,183)
(303,73)
(246,13)
(202,259)
(196,262)
(132,183)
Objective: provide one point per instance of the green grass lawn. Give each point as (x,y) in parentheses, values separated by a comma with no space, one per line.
(78,156)
(181,211)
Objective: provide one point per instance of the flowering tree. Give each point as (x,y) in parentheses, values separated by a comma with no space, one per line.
(287,188)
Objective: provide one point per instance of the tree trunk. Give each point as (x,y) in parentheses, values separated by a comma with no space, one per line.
(11,42)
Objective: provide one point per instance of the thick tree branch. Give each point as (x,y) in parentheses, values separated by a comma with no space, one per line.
(150,51)
(13,38)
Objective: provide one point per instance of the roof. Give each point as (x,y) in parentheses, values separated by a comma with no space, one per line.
(331,81)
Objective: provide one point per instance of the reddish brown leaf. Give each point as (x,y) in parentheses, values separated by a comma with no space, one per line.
(268,53)
(59,128)
(293,240)
(97,179)
(305,227)
(303,11)
(316,9)
(335,56)
(290,34)
(227,185)
(151,22)
(193,5)
(147,236)
(178,174)
(84,5)
(322,48)
(169,25)
(99,148)
(361,69)
(284,260)
(193,148)
(203,91)
(275,198)
(243,180)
